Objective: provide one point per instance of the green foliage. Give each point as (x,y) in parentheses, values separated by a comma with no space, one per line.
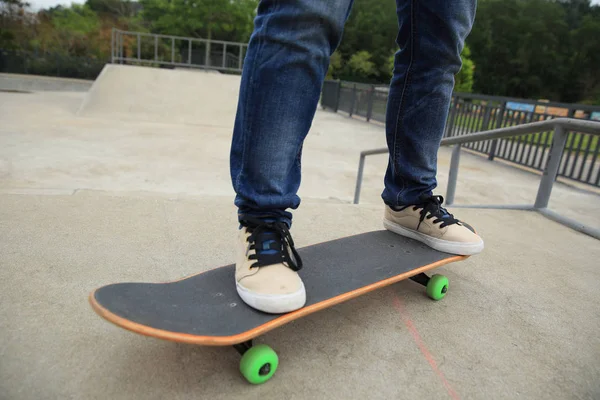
(360,64)
(464,78)
(212,19)
(113,8)
(585,62)
(73,30)
(78,19)
(536,49)
(371,28)
(388,68)
(359,67)
(12,23)
(335,66)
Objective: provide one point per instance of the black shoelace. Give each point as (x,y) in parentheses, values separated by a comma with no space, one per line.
(432,208)
(272,243)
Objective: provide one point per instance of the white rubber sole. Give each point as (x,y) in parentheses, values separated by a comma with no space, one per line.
(463,249)
(273,303)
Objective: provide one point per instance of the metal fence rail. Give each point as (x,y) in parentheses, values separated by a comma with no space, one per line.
(470,113)
(176,51)
(561,129)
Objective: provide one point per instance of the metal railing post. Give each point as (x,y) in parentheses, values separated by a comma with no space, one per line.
(493,147)
(499,120)
(207,54)
(240,59)
(119,48)
(453,174)
(500,115)
(359,178)
(370,96)
(112,46)
(172,50)
(449,128)
(155,48)
(338,92)
(353,103)
(139,47)
(189,52)
(486,119)
(545,189)
(122,46)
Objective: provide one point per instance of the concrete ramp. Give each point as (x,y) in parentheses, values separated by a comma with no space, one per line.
(125,92)
(37,83)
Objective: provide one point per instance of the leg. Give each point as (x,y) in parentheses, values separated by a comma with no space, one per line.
(287,59)
(431,38)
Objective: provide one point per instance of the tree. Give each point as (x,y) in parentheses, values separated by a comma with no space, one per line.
(520,48)
(372,27)
(114,9)
(14,21)
(584,72)
(464,78)
(208,19)
(360,64)
(335,66)
(575,11)
(73,30)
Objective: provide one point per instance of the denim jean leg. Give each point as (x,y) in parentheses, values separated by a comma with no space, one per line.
(431,37)
(286,62)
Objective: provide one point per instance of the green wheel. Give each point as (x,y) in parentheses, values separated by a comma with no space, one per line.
(437,287)
(259,363)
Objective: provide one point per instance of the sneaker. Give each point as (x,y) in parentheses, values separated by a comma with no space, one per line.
(430,223)
(266,270)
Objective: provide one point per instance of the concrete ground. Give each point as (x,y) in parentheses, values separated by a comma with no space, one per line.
(90,201)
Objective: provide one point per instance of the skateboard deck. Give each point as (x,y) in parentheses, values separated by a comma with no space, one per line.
(205,308)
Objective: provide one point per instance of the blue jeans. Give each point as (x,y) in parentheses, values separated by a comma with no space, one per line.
(286,63)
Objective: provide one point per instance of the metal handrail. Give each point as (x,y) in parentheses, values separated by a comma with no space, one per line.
(160,35)
(225,51)
(560,126)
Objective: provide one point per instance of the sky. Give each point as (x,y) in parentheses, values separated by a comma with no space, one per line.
(38,4)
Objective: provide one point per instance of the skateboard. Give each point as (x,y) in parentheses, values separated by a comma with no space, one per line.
(205,308)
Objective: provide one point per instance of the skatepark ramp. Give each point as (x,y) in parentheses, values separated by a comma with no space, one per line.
(179,96)
(35,83)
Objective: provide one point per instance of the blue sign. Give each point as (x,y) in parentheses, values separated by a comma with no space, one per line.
(511,105)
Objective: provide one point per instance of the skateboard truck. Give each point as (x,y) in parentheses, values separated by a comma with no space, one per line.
(242,348)
(421,279)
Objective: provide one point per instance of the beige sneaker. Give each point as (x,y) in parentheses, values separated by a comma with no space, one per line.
(267,279)
(430,223)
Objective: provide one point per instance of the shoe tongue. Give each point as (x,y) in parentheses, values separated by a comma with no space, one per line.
(268,243)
